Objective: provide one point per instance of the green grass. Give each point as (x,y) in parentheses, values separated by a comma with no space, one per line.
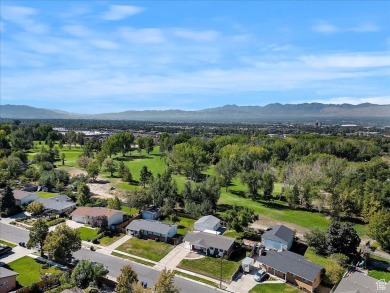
(382,259)
(7,243)
(108,240)
(192,277)
(44,194)
(233,234)
(271,288)
(129,211)
(184,225)
(29,270)
(311,255)
(211,266)
(87,233)
(380,274)
(149,249)
(144,262)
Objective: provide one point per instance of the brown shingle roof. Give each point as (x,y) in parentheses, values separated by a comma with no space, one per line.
(20,194)
(94,212)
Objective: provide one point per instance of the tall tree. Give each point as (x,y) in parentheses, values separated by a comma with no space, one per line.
(110,166)
(342,238)
(114,203)
(84,194)
(7,201)
(227,169)
(126,279)
(61,242)
(145,175)
(267,184)
(38,233)
(252,179)
(165,283)
(379,228)
(93,170)
(86,273)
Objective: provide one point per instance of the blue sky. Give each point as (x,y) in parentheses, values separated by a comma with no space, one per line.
(108,56)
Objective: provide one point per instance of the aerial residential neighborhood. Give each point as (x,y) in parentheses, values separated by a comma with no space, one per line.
(194,146)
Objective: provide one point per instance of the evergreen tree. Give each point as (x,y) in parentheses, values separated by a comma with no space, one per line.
(7,201)
(126,279)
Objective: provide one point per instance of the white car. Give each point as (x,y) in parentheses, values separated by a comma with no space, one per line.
(260,275)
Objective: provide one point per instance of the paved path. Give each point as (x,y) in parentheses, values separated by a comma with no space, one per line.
(174,257)
(119,242)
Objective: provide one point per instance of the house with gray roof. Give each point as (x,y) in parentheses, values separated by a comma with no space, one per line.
(209,244)
(24,197)
(292,268)
(209,222)
(7,280)
(151,229)
(357,282)
(60,204)
(278,238)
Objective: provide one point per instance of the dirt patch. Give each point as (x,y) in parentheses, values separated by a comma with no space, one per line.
(264,222)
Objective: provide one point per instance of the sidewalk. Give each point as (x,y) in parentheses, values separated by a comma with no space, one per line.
(17,252)
(119,242)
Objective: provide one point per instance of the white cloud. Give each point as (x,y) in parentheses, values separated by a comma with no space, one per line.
(277,47)
(347,60)
(328,28)
(142,36)
(77,30)
(200,36)
(21,15)
(325,28)
(104,44)
(118,12)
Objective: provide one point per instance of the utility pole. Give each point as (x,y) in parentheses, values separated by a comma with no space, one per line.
(220,279)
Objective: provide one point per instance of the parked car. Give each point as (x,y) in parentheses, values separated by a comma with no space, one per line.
(260,275)
(5,249)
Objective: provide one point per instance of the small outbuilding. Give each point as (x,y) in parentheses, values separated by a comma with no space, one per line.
(247,264)
(278,238)
(207,223)
(152,213)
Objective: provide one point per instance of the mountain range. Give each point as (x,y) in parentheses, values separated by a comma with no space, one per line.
(227,113)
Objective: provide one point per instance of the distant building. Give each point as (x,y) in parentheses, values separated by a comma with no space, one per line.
(24,197)
(278,237)
(86,215)
(7,280)
(60,204)
(152,213)
(151,229)
(359,282)
(207,223)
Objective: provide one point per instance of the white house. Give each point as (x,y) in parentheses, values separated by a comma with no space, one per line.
(278,237)
(24,197)
(86,215)
(207,223)
(151,229)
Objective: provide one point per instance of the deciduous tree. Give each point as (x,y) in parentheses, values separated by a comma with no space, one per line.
(38,233)
(35,208)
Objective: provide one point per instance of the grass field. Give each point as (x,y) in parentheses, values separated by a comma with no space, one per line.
(44,194)
(7,243)
(108,240)
(272,288)
(184,225)
(87,233)
(210,266)
(380,274)
(29,270)
(149,249)
(192,277)
(141,261)
(311,255)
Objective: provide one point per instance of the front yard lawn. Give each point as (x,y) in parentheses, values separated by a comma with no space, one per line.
(7,243)
(87,233)
(271,288)
(108,240)
(211,266)
(149,249)
(29,270)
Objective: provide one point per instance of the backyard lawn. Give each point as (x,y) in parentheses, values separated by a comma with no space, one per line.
(44,194)
(311,255)
(128,210)
(149,249)
(272,288)
(380,274)
(29,270)
(87,233)
(211,266)
(184,225)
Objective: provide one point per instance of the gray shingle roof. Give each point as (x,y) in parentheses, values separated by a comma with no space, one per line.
(359,282)
(57,203)
(208,220)
(280,231)
(7,273)
(287,261)
(209,240)
(151,226)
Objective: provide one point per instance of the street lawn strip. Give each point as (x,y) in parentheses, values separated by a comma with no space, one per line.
(184,225)
(271,288)
(211,267)
(29,270)
(196,278)
(311,255)
(149,249)
(380,274)
(141,261)
(87,234)
(108,240)
(45,194)
(7,243)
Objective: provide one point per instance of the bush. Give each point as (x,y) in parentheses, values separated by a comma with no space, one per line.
(46,266)
(55,222)
(157,239)
(95,241)
(100,235)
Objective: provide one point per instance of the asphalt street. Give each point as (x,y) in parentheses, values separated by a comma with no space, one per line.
(114,264)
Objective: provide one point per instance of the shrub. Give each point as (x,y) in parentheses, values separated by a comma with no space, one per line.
(95,241)
(46,266)
(55,222)
(100,235)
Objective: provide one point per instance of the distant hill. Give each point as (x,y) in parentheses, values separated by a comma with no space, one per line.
(227,113)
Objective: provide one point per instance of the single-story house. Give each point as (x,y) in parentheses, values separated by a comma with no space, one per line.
(152,213)
(207,223)
(293,268)
(24,197)
(278,237)
(151,229)
(85,215)
(359,282)
(209,244)
(60,204)
(7,280)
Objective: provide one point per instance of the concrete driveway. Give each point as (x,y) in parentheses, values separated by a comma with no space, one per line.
(17,252)
(74,224)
